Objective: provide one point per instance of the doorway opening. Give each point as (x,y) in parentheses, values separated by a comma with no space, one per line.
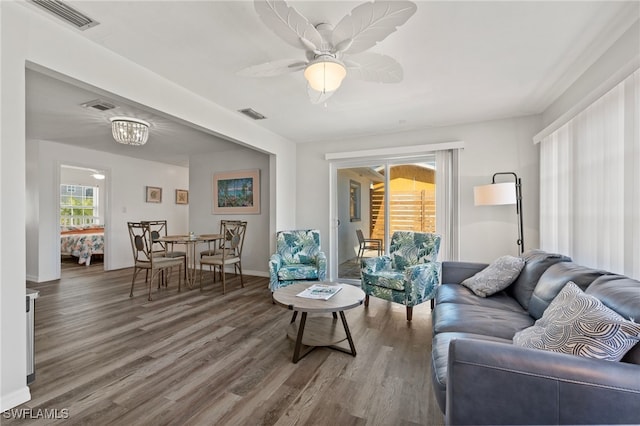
(81,213)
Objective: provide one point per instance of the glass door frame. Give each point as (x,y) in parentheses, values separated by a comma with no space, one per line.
(334,203)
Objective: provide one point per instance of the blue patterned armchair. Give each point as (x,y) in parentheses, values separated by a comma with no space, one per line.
(297,257)
(410,273)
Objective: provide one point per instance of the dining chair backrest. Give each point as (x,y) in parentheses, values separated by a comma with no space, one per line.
(234,232)
(157,229)
(360,236)
(140,235)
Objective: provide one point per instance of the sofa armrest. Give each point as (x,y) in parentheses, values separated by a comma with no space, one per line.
(456,272)
(498,383)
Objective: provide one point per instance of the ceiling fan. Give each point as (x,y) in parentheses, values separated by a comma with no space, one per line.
(332,53)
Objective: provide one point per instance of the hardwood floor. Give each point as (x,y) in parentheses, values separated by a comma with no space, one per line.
(201,358)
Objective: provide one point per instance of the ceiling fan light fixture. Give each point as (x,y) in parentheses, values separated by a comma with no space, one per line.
(325,74)
(129,131)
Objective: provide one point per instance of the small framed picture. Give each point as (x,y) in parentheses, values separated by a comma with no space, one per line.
(182,196)
(154,194)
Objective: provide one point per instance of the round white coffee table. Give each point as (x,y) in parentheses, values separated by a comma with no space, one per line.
(319,331)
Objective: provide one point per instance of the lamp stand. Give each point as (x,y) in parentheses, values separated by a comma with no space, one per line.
(518,206)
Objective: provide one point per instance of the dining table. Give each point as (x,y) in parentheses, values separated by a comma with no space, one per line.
(191,241)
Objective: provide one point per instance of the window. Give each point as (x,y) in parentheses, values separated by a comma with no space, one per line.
(78,205)
(589,180)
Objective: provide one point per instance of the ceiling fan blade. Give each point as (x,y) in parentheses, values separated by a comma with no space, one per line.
(288,24)
(374,67)
(370,23)
(270,69)
(318,97)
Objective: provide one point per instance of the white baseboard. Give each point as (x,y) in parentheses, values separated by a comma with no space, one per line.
(14,399)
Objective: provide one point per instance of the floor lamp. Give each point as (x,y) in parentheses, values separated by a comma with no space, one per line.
(497,194)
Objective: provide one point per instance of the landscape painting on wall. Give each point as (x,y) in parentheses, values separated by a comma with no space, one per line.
(236,192)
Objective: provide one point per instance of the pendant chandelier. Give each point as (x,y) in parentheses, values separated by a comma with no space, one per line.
(129,131)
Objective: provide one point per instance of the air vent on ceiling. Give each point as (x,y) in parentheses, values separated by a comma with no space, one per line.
(99,104)
(66,13)
(252,114)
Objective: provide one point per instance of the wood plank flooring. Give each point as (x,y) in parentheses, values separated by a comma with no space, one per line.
(201,358)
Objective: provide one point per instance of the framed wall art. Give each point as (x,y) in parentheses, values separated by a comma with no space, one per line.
(182,196)
(154,194)
(236,192)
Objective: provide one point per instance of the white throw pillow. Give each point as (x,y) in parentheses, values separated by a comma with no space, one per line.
(495,277)
(579,324)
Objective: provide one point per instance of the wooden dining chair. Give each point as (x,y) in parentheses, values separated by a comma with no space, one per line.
(144,259)
(229,252)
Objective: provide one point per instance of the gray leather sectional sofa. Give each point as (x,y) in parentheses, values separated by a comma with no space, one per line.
(480,377)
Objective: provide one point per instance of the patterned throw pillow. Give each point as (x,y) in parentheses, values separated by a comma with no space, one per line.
(495,277)
(579,324)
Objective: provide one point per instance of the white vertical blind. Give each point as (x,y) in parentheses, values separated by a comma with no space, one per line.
(590,183)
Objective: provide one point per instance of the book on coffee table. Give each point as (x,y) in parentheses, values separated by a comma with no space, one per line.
(320,291)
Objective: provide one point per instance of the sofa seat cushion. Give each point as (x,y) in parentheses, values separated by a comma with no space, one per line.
(576,323)
(440,356)
(298,271)
(456,293)
(387,279)
(455,317)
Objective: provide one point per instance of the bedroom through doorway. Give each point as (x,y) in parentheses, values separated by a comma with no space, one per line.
(82,201)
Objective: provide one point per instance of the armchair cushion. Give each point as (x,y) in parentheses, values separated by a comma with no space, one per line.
(298,271)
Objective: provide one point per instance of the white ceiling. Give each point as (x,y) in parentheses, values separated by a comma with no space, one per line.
(463,62)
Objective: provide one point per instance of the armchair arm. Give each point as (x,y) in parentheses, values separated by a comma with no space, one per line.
(275,263)
(498,383)
(321,263)
(421,282)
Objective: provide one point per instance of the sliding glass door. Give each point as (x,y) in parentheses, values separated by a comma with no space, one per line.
(378,199)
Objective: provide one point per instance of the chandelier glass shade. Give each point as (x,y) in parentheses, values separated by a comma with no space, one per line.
(129,131)
(325,73)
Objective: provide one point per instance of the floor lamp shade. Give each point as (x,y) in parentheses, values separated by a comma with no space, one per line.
(495,194)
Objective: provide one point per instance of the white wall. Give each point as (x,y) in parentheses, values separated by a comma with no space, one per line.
(126,180)
(618,61)
(496,146)
(202,220)
(28,38)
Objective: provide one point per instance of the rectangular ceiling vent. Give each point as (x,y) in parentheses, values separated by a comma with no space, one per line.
(99,104)
(66,13)
(252,114)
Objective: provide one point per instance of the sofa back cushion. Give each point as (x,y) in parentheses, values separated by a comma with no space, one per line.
(536,262)
(554,279)
(621,294)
